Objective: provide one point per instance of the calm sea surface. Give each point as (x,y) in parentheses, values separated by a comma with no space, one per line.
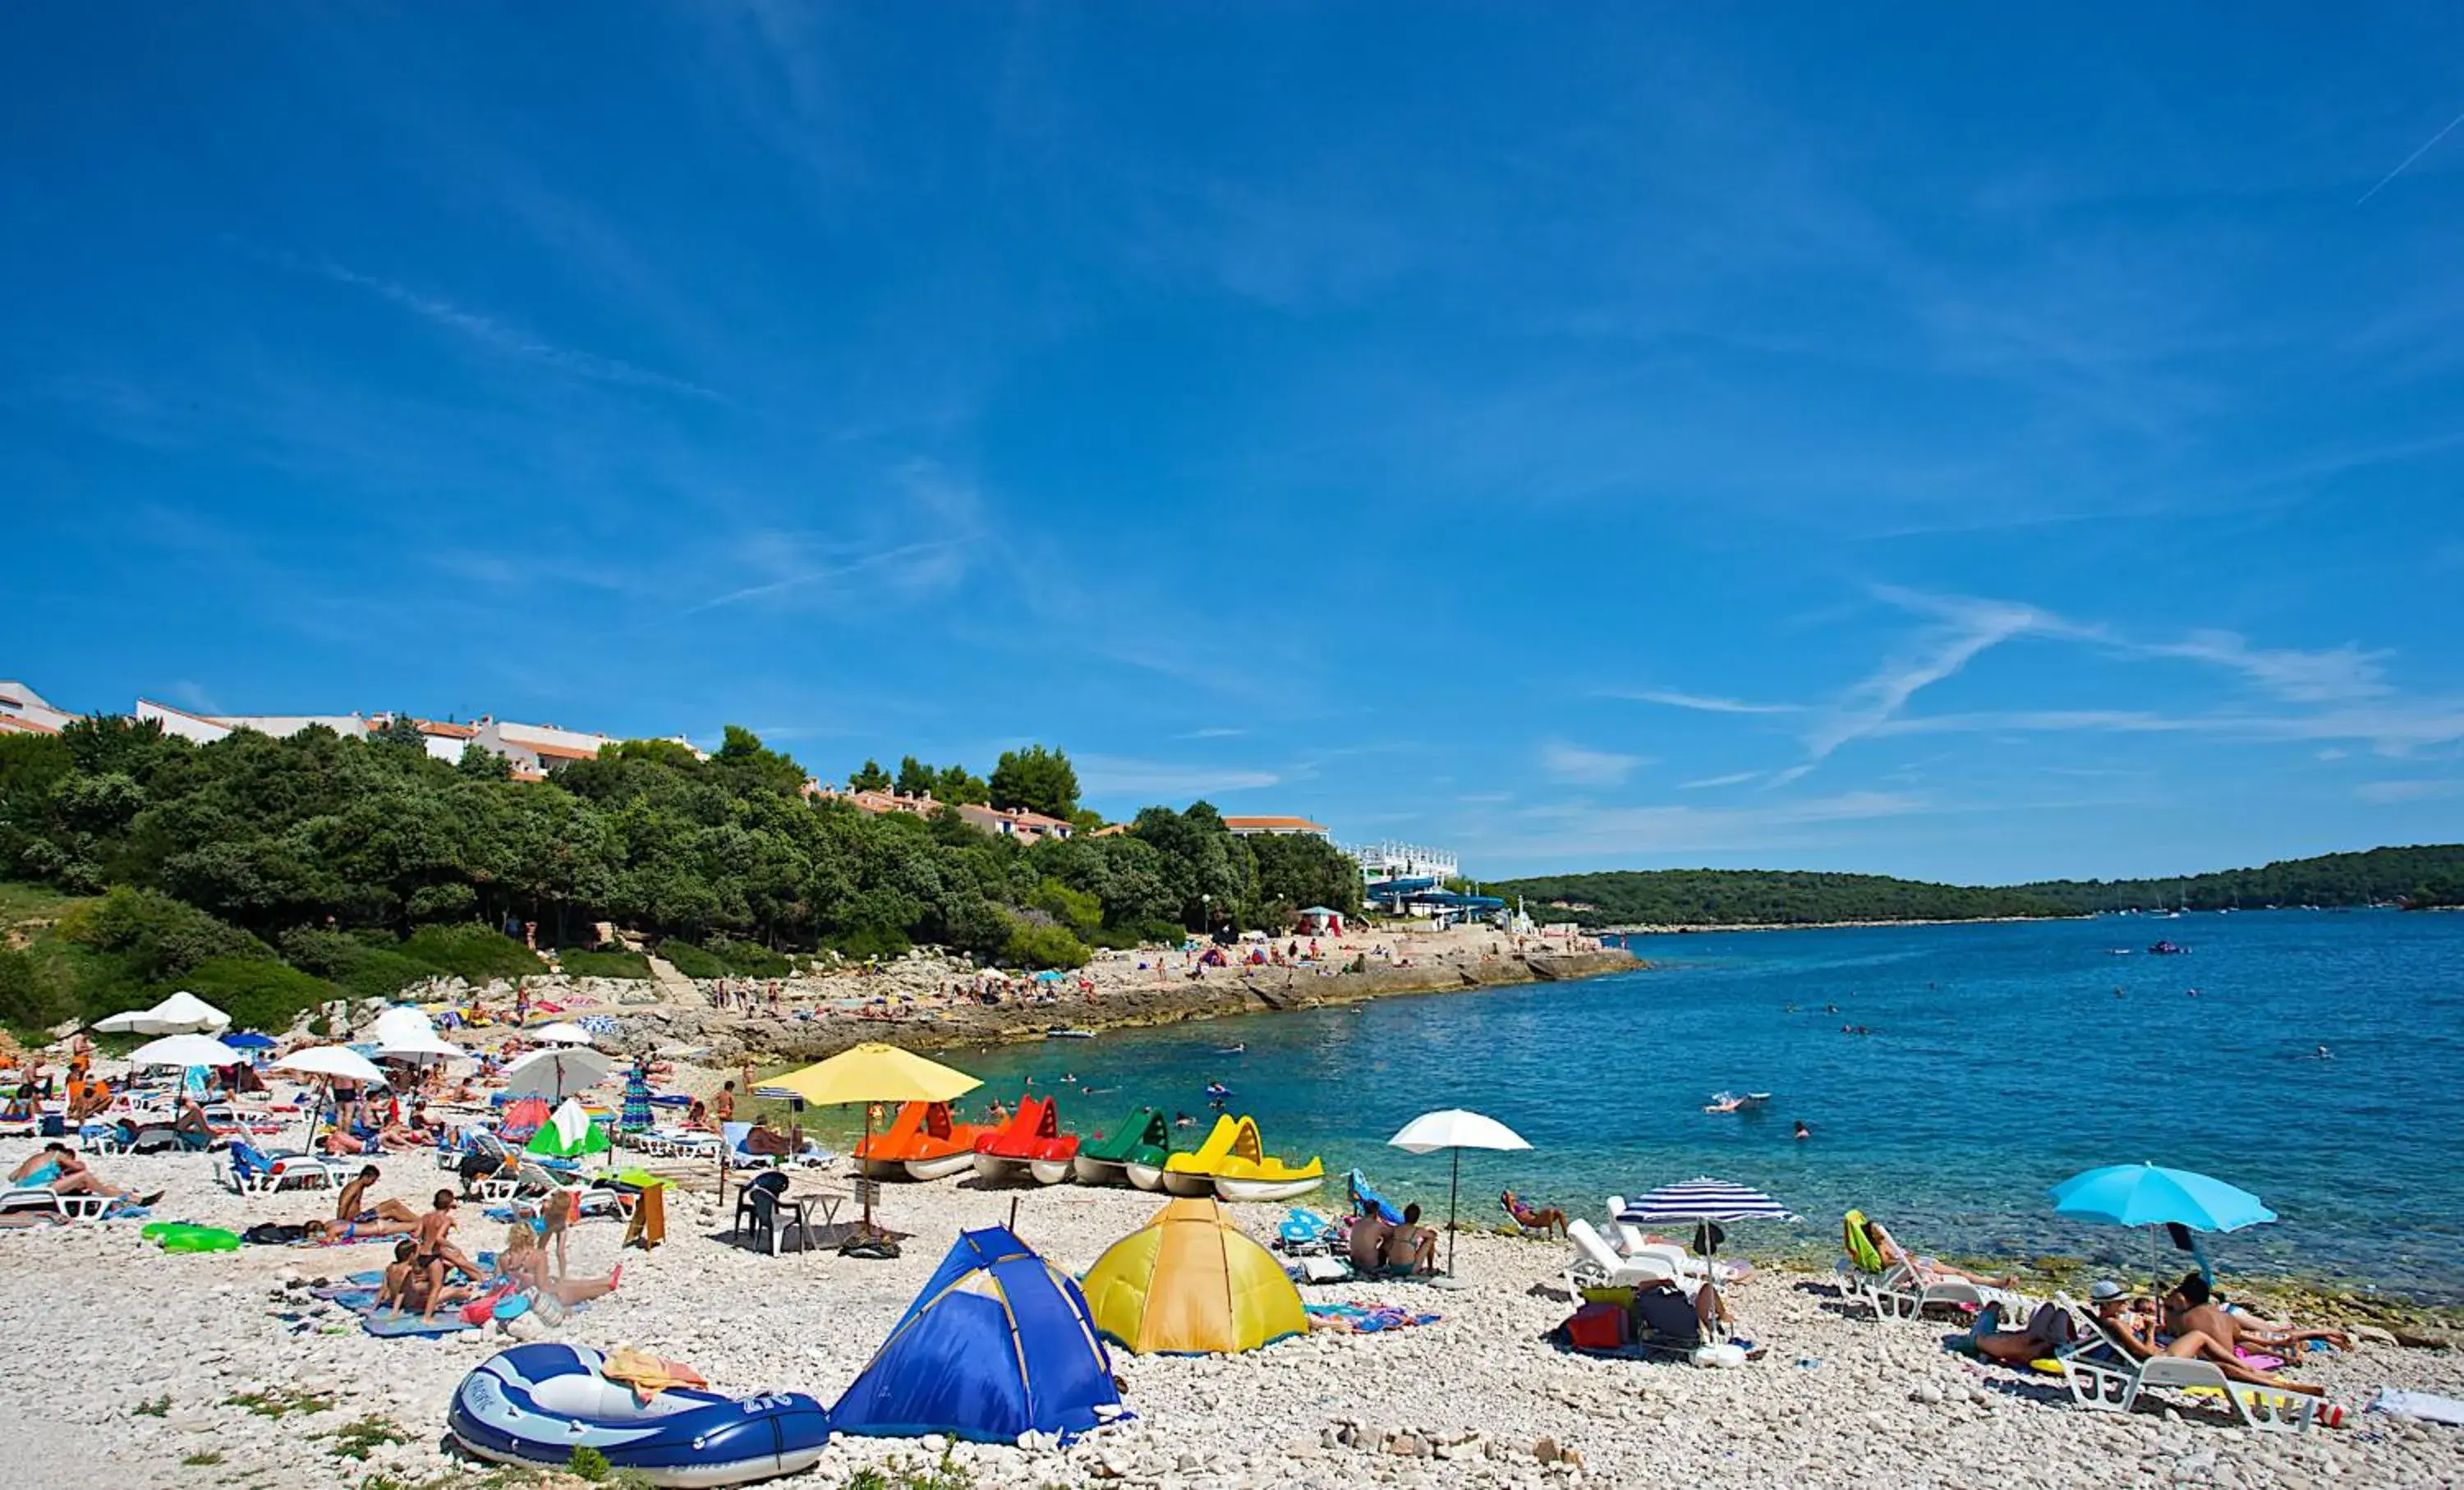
(2000,1061)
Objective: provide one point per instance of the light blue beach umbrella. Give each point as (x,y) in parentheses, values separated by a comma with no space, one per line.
(2150,1194)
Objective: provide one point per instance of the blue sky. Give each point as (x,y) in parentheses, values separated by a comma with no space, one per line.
(1964,445)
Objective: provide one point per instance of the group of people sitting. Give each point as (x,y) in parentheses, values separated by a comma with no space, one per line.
(1383,1249)
(2188,1323)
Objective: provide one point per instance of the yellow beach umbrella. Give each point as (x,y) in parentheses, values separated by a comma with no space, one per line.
(873,1072)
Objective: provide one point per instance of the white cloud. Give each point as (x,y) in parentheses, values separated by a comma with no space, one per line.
(2384,792)
(1216,731)
(2301,677)
(1579,831)
(1732,779)
(1969,628)
(1176,782)
(1585,767)
(1704,703)
(2332,753)
(510,340)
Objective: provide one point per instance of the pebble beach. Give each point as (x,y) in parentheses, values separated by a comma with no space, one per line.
(159,1370)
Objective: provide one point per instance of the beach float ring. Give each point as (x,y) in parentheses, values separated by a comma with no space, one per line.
(535,1404)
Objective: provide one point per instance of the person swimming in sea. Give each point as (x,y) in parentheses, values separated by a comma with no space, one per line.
(1216,1095)
(1803,1133)
(2325,1054)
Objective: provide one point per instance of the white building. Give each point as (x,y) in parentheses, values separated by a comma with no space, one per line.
(25,711)
(1382,862)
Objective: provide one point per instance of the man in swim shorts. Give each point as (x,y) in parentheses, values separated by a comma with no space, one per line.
(60,1171)
(432,1233)
(352,1206)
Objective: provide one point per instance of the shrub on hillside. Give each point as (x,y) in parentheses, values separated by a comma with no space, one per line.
(691,960)
(725,957)
(1046,947)
(472,952)
(578,963)
(257,994)
(31,1000)
(369,969)
(155,936)
(870,941)
(748,959)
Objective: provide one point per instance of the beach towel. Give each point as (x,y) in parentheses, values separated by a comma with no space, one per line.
(649,1374)
(2423,1405)
(387,1325)
(1366,1319)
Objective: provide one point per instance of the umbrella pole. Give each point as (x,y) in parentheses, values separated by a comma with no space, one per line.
(859,1168)
(1454,1185)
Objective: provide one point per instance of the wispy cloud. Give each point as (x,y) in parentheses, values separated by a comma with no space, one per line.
(910,566)
(2405,163)
(496,335)
(1213,732)
(2302,678)
(1708,704)
(1172,780)
(1575,830)
(1968,628)
(1585,767)
(192,695)
(1732,779)
(2384,792)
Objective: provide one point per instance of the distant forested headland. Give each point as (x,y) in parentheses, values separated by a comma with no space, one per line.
(2419,878)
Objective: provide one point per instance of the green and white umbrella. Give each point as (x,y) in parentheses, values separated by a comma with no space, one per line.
(568,1133)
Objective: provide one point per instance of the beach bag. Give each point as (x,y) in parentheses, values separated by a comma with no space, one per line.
(1666,1315)
(1596,1326)
(274,1234)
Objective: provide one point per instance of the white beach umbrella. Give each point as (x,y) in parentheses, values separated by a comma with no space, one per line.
(1455,1129)
(400,1025)
(183,1013)
(330,1063)
(556,1072)
(184,1051)
(420,1048)
(560,1033)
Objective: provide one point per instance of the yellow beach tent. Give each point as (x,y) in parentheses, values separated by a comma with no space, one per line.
(1190,1283)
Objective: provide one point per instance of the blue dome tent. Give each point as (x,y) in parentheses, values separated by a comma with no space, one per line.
(997,1346)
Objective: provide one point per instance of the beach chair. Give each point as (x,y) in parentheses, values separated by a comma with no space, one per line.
(1304,1232)
(50,1202)
(1595,1265)
(1897,1291)
(2104,1373)
(247,1170)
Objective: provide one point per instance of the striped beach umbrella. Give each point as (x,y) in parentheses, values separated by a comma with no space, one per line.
(1703,1201)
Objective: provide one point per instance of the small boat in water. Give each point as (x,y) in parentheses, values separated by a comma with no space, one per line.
(1735,1102)
(1070,1034)
(2169,949)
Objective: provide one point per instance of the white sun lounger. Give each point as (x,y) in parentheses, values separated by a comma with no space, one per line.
(2106,1373)
(1595,1265)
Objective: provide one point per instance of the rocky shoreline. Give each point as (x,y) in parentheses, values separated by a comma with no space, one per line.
(1123,999)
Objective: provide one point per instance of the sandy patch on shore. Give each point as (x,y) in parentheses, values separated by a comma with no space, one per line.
(108,1325)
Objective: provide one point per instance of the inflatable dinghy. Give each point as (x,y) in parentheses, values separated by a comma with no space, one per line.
(535,1403)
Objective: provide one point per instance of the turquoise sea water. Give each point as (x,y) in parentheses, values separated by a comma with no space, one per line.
(1999,1061)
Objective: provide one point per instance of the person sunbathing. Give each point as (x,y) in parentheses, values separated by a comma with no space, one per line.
(1926,1269)
(191,1121)
(1411,1247)
(416,1286)
(2133,1321)
(2050,1328)
(58,1170)
(525,1263)
(352,1204)
(2190,1306)
(1547,1220)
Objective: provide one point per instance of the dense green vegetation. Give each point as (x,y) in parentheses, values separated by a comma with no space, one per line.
(366,865)
(2418,877)
(2422,877)
(1755,897)
(583,962)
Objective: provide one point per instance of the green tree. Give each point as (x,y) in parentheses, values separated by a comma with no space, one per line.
(1037,779)
(915,778)
(957,784)
(869,778)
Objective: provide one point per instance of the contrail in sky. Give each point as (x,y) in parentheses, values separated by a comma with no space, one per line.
(2409,159)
